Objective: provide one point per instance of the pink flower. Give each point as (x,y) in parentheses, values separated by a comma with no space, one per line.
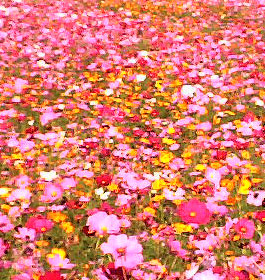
(22,181)
(5,224)
(103,223)
(68,183)
(25,145)
(214,176)
(20,84)
(39,223)
(175,247)
(205,126)
(49,116)
(245,228)
(194,212)
(3,247)
(26,234)
(126,251)
(57,262)
(51,193)
(19,194)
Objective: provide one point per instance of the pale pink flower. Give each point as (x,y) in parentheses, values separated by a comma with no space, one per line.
(57,262)
(126,251)
(214,176)
(103,223)
(51,192)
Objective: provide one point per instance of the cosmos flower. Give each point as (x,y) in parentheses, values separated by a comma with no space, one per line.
(245,228)
(194,212)
(39,223)
(126,251)
(103,223)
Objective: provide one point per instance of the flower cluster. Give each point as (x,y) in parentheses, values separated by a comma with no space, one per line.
(132,140)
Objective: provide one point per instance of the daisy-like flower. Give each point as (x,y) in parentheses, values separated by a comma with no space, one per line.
(126,251)
(194,212)
(39,223)
(51,192)
(58,261)
(245,228)
(214,176)
(103,223)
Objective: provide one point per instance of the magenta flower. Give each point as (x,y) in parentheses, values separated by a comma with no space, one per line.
(126,251)
(245,228)
(39,223)
(103,223)
(194,212)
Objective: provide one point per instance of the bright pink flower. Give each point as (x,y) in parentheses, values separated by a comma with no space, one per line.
(194,212)
(39,223)
(245,228)
(103,223)
(51,275)
(126,251)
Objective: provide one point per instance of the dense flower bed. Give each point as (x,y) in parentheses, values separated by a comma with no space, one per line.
(132,140)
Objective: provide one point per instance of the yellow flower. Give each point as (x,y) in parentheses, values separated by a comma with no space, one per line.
(57,217)
(168,141)
(200,167)
(113,187)
(150,210)
(42,243)
(180,228)
(165,157)
(159,184)
(60,252)
(158,198)
(67,227)
(171,130)
(244,187)
(245,154)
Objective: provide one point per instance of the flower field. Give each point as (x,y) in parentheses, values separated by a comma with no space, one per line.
(132,140)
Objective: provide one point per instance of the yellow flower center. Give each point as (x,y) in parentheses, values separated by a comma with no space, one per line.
(193,214)
(43,229)
(104,228)
(54,193)
(243,229)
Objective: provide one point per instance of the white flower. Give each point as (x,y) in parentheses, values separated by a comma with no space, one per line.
(188,91)
(48,176)
(109,91)
(103,195)
(140,78)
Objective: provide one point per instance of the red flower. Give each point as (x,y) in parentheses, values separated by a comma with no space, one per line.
(39,223)
(245,228)
(260,216)
(51,275)
(104,180)
(220,154)
(194,212)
